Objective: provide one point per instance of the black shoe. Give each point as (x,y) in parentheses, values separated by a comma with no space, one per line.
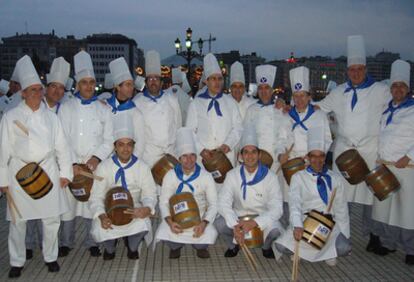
(409,259)
(203,253)
(108,256)
(268,253)
(63,251)
(95,252)
(53,266)
(133,255)
(15,272)
(383,251)
(29,254)
(374,243)
(175,254)
(232,252)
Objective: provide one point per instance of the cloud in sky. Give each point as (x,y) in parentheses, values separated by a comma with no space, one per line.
(271,28)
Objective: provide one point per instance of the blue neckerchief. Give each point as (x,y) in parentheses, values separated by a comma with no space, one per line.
(213,101)
(391,109)
(261,173)
(83,100)
(367,83)
(153,98)
(293,113)
(272,101)
(180,175)
(129,104)
(320,183)
(121,171)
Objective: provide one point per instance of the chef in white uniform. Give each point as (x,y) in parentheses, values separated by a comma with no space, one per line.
(358,105)
(177,90)
(123,169)
(270,124)
(55,89)
(249,189)
(312,189)
(214,116)
(188,176)
(238,88)
(68,90)
(108,86)
(161,113)
(13,96)
(396,144)
(45,144)
(4,89)
(121,102)
(88,125)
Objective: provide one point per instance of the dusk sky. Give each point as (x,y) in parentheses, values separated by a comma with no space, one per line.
(271,28)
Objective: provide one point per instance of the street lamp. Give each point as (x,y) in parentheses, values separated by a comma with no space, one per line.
(177,44)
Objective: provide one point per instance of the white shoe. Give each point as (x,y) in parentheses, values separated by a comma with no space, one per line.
(331,262)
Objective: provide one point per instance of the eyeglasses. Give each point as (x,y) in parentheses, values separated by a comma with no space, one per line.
(153,78)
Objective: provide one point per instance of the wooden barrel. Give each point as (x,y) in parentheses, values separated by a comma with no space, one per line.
(291,167)
(117,200)
(218,166)
(34,180)
(162,166)
(382,182)
(184,210)
(352,166)
(317,228)
(266,158)
(81,185)
(253,238)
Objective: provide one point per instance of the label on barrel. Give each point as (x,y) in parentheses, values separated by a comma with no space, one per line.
(180,207)
(248,235)
(322,231)
(216,174)
(119,196)
(79,192)
(345,174)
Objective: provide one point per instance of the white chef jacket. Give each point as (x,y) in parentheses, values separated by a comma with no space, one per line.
(46,144)
(358,128)
(142,188)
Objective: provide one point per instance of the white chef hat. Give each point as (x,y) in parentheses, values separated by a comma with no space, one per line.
(211,66)
(236,73)
(119,71)
(299,79)
(59,71)
(252,89)
(69,84)
(4,86)
(123,127)
(176,76)
(265,74)
(202,81)
(356,50)
(139,83)
(26,72)
(316,139)
(185,141)
(249,137)
(331,86)
(152,63)
(14,76)
(400,72)
(108,81)
(83,66)
(186,86)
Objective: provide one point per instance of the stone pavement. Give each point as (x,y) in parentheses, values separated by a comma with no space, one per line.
(155,266)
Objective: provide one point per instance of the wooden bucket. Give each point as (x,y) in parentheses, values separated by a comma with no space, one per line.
(253,238)
(218,166)
(291,167)
(266,158)
(352,166)
(34,180)
(81,185)
(162,166)
(117,200)
(382,182)
(184,210)
(317,228)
